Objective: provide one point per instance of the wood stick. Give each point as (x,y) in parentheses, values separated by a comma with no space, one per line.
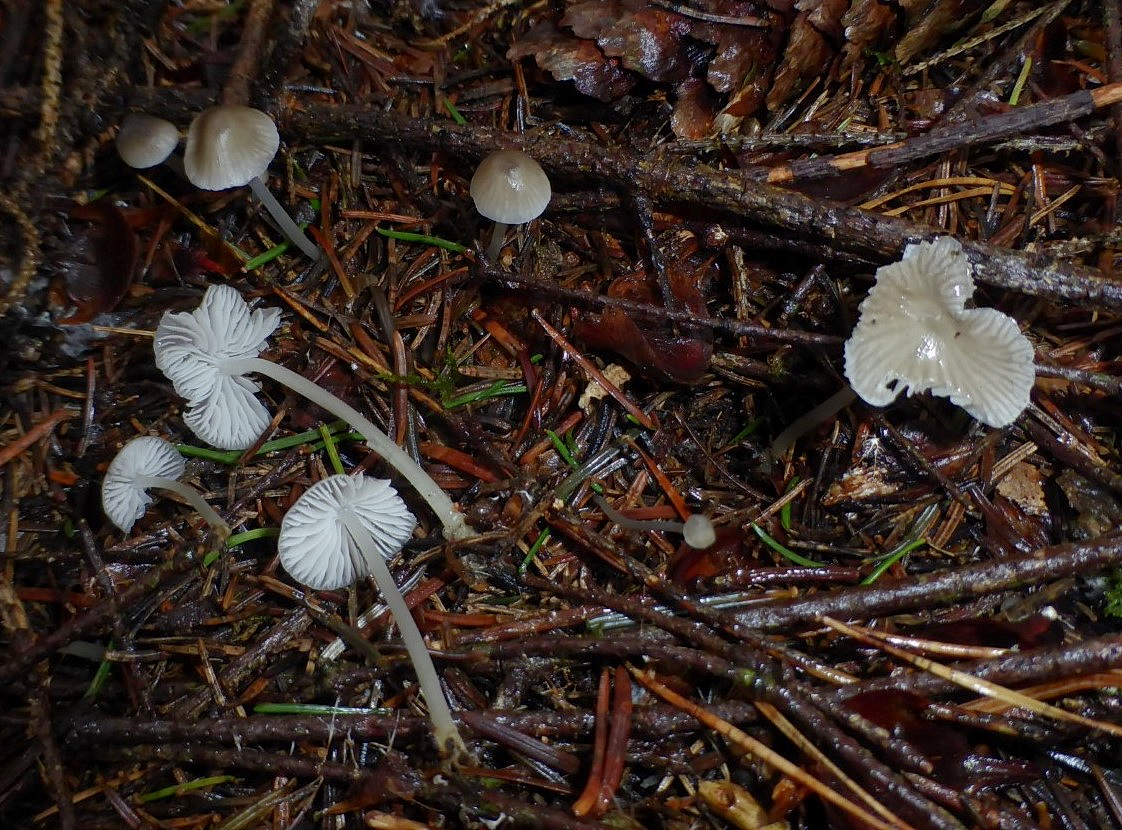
(935,589)
(948,137)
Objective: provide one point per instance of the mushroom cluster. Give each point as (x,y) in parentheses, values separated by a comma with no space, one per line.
(227,146)
(915,334)
(207,354)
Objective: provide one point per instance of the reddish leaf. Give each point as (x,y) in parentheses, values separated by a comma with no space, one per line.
(1034,632)
(693,110)
(691,566)
(580,61)
(99,264)
(809,50)
(680,357)
(647,39)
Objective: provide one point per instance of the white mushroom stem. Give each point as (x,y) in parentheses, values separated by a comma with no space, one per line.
(808,421)
(293,231)
(443,727)
(454,525)
(497,237)
(191,496)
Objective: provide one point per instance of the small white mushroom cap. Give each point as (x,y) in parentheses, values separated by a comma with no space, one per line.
(915,334)
(145,140)
(123,499)
(510,187)
(317,549)
(228,145)
(698,532)
(190,347)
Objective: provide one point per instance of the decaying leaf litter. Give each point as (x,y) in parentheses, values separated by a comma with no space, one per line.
(907,619)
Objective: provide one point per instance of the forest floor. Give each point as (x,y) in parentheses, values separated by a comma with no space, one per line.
(908,618)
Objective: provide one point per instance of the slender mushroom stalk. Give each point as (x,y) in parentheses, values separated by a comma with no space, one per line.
(697,531)
(806,422)
(509,188)
(207,354)
(344,528)
(144,464)
(231,146)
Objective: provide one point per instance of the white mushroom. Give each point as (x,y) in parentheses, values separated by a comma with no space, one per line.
(344,528)
(230,146)
(697,530)
(199,352)
(145,140)
(915,334)
(146,463)
(207,353)
(509,188)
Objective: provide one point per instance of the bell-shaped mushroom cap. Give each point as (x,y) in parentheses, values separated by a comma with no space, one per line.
(145,140)
(915,334)
(510,187)
(190,348)
(123,498)
(318,550)
(228,145)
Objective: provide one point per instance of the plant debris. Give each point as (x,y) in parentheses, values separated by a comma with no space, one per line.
(907,619)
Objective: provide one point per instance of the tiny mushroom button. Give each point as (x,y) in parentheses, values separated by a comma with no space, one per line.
(509,188)
(145,140)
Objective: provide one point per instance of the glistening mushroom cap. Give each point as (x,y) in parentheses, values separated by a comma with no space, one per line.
(915,334)
(123,499)
(510,187)
(145,140)
(316,548)
(222,408)
(698,532)
(228,145)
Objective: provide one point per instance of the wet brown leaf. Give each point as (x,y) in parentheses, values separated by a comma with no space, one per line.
(579,61)
(647,39)
(945,746)
(99,265)
(678,356)
(809,50)
(867,24)
(694,110)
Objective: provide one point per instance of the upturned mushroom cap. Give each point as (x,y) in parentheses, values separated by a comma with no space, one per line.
(510,187)
(145,140)
(123,499)
(316,548)
(228,145)
(190,346)
(915,334)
